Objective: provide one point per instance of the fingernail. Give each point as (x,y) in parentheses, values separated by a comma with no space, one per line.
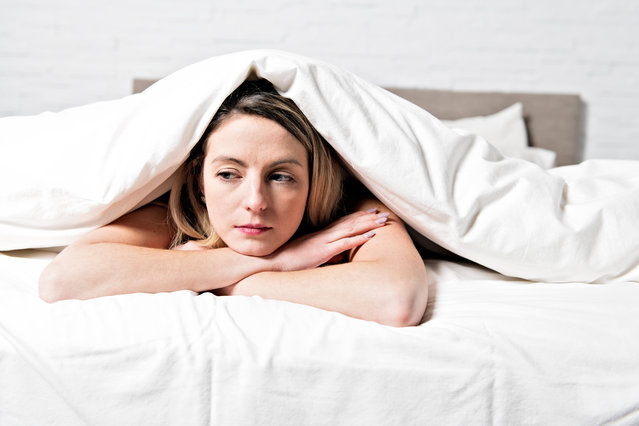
(385,214)
(369,234)
(381,220)
(373,210)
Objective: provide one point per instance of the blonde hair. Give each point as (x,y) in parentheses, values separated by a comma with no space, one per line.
(186,206)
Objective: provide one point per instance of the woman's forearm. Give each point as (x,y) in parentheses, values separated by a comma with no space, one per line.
(365,290)
(100,269)
(131,256)
(385,281)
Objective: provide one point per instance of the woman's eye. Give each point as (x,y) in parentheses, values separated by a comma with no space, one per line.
(227,175)
(279,177)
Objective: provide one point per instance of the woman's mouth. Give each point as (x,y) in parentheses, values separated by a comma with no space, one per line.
(253,229)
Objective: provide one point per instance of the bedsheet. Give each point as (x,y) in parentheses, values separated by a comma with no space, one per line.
(494,350)
(89,165)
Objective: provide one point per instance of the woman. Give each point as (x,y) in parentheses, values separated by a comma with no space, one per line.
(252,212)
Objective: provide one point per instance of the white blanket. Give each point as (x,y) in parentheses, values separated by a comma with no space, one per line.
(64,173)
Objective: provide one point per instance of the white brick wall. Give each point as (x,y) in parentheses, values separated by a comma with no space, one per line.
(60,53)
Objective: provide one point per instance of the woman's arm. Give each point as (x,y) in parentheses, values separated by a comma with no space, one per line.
(385,281)
(131,255)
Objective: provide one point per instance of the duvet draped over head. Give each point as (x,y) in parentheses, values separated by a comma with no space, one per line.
(62,174)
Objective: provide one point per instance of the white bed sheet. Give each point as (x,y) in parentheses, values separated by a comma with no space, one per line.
(493,351)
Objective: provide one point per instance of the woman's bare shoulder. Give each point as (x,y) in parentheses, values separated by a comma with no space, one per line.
(147,226)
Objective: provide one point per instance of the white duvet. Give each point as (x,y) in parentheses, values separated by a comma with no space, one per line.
(64,173)
(494,350)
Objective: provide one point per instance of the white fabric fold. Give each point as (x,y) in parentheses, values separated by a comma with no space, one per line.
(64,173)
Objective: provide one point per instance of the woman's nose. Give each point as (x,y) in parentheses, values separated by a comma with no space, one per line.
(256,199)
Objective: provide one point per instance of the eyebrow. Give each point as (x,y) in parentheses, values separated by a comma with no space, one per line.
(241,163)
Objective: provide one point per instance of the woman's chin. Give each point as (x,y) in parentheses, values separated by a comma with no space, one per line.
(255,250)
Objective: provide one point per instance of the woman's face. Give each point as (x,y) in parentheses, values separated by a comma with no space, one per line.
(255,181)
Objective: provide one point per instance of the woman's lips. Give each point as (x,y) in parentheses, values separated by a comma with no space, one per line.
(253,229)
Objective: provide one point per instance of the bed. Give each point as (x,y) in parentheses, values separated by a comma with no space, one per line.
(523,326)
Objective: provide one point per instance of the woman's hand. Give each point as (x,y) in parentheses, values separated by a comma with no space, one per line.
(384,280)
(320,247)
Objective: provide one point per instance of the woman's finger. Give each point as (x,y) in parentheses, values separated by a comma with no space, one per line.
(320,247)
(356,225)
(349,243)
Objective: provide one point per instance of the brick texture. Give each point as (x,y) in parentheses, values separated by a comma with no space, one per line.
(60,53)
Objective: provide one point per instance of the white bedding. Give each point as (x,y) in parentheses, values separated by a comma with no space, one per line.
(494,350)
(64,173)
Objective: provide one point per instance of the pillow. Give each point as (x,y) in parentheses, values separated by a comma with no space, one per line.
(506,131)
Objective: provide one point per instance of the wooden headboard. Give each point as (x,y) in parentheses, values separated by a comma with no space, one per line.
(553,121)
